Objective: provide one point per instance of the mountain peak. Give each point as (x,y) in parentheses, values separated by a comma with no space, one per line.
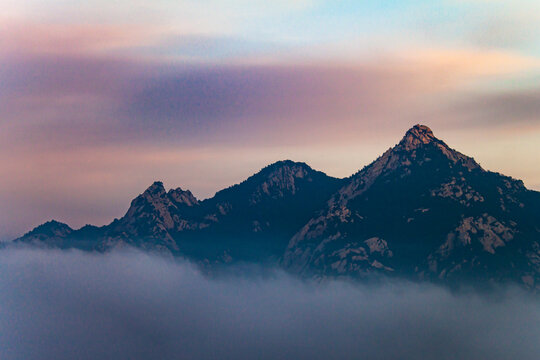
(277,180)
(421,131)
(49,229)
(419,147)
(420,135)
(416,136)
(183,197)
(156,189)
(286,170)
(286,164)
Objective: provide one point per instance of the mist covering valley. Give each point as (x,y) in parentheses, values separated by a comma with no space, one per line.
(128,304)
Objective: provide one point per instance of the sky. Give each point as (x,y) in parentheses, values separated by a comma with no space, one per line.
(99,99)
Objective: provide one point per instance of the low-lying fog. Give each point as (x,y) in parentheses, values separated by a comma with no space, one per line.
(130,305)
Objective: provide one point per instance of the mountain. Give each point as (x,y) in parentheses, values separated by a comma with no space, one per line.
(255,219)
(52,233)
(422,210)
(152,219)
(250,221)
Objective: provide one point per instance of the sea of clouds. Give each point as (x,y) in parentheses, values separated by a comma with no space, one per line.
(131,305)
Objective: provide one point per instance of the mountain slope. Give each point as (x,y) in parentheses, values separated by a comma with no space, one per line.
(423,210)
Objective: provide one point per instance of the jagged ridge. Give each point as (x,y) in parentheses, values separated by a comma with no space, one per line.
(421,210)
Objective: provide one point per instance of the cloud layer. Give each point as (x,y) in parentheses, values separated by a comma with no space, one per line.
(126,304)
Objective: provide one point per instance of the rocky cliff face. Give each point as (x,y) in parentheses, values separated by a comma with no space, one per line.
(422,210)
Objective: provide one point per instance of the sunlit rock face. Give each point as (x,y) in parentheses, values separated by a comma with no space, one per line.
(422,210)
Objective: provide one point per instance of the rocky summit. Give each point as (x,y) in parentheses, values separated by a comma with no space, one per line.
(422,211)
